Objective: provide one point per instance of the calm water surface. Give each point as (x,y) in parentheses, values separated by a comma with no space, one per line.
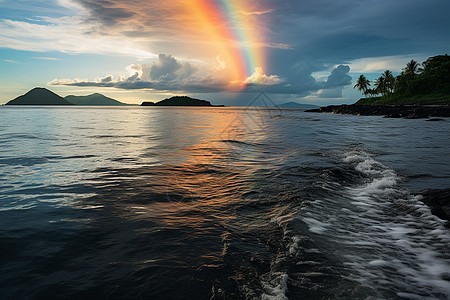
(219,203)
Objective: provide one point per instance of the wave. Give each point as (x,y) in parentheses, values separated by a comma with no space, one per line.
(387,232)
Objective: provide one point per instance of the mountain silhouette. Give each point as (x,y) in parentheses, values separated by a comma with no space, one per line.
(297,105)
(94,99)
(179,101)
(39,96)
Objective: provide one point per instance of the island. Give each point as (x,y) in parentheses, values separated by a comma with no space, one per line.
(95,99)
(180,101)
(420,91)
(43,96)
(297,105)
(39,96)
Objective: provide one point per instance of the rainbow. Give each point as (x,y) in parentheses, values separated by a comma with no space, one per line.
(233,33)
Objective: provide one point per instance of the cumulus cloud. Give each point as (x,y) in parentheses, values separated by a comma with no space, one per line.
(335,83)
(169,74)
(258,77)
(339,77)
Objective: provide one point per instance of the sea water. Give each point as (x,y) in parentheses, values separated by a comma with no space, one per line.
(220,203)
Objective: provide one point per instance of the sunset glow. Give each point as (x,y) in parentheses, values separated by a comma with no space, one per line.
(227,51)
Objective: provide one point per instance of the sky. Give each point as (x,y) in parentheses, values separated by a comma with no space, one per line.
(309,51)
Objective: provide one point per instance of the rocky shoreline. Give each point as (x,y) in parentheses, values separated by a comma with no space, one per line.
(389,111)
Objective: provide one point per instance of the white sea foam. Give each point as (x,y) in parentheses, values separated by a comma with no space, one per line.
(315,225)
(383,232)
(406,245)
(275,286)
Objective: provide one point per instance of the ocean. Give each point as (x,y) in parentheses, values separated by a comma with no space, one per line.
(220,203)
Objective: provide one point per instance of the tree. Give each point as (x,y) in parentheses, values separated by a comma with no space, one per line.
(371,92)
(362,84)
(380,87)
(412,68)
(388,82)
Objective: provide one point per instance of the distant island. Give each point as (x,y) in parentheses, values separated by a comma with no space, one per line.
(43,96)
(180,101)
(420,91)
(94,100)
(296,105)
(39,96)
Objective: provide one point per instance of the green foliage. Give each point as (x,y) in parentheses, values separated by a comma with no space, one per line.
(362,84)
(415,85)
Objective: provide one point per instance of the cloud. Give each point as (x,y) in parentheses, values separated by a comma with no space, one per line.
(165,74)
(45,58)
(330,93)
(258,77)
(261,12)
(106,11)
(297,39)
(339,77)
(168,68)
(380,64)
(335,83)
(169,74)
(65,34)
(107,79)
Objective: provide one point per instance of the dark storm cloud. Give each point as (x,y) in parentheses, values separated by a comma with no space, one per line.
(326,33)
(339,77)
(106,11)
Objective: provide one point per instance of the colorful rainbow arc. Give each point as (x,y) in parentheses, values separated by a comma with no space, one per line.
(232,31)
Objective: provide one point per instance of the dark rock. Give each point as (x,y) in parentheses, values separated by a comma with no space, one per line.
(390,111)
(439,202)
(148,104)
(435,119)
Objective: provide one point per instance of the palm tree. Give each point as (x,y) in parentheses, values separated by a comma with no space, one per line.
(380,87)
(412,68)
(388,82)
(362,84)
